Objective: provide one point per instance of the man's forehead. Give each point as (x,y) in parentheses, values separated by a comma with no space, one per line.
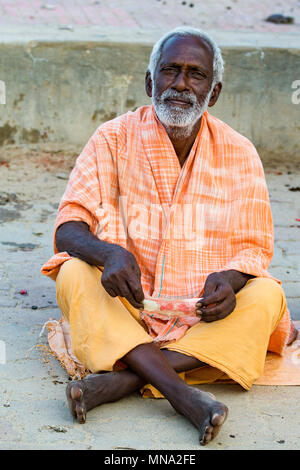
(187,48)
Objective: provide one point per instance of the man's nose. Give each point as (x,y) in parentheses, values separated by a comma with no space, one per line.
(180,82)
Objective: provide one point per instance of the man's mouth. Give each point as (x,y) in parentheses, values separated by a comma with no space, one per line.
(179,102)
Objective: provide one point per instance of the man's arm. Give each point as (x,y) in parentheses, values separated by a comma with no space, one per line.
(219,292)
(121,275)
(77,239)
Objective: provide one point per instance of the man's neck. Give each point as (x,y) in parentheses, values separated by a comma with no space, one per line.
(183,140)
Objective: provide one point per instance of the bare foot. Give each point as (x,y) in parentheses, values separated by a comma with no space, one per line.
(76,400)
(204,411)
(96,389)
(201,408)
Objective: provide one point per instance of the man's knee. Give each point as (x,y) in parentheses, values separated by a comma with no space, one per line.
(75,276)
(72,267)
(74,270)
(268,289)
(269,297)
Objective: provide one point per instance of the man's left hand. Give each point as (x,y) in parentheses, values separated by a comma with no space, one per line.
(218,299)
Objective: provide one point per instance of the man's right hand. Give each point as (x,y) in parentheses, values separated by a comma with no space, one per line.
(122,276)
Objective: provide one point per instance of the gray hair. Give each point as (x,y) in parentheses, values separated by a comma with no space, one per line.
(218,63)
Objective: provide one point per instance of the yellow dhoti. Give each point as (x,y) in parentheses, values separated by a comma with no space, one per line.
(104,329)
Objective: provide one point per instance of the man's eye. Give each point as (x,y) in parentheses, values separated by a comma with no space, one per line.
(197,75)
(169,69)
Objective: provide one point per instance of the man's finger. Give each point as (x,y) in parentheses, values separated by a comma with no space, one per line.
(109,289)
(111,292)
(137,291)
(224,304)
(214,298)
(223,291)
(220,310)
(126,292)
(199,302)
(209,287)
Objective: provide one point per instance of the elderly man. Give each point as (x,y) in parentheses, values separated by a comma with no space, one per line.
(169,202)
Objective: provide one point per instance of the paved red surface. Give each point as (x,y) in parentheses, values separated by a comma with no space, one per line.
(230,15)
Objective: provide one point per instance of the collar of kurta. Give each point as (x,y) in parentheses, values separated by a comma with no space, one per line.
(162,157)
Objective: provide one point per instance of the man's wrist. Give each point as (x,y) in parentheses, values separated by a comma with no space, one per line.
(105,251)
(75,238)
(236,279)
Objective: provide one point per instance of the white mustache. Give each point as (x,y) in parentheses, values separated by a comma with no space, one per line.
(184,96)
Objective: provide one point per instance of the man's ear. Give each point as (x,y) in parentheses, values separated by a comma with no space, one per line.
(215,94)
(148,84)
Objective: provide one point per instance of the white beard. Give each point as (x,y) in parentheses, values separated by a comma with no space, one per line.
(179,122)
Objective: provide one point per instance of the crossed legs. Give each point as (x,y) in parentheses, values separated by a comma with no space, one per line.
(104,330)
(148,364)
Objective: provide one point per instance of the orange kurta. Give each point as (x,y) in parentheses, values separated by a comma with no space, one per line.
(181,224)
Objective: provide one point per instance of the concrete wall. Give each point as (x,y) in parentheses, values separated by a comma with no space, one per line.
(60,87)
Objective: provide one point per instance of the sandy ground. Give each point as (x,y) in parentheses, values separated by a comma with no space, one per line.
(33,409)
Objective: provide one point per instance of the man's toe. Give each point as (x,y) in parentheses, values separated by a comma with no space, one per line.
(76,393)
(219,417)
(205,434)
(71,402)
(80,414)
